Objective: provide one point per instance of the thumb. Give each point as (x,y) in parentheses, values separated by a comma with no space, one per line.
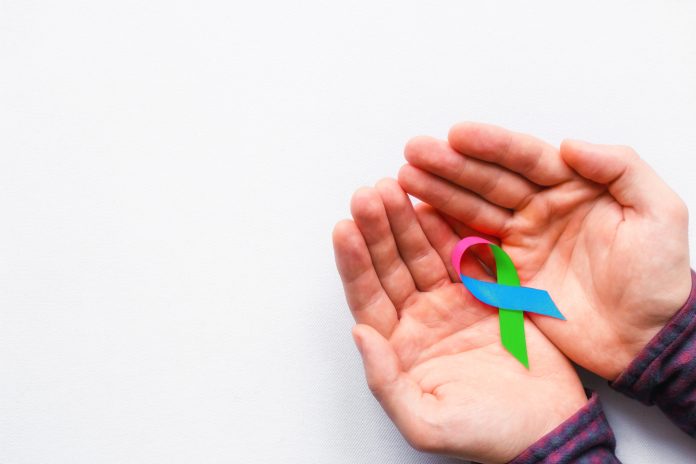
(630,180)
(398,394)
(379,359)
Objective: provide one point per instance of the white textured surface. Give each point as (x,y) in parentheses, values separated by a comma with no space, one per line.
(170,172)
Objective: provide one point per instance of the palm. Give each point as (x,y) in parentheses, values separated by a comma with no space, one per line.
(436,345)
(441,322)
(449,346)
(566,234)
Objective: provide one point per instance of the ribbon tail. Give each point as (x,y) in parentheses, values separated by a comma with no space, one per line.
(512,334)
(511,322)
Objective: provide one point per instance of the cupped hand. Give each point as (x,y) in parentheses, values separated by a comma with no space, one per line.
(592,224)
(432,353)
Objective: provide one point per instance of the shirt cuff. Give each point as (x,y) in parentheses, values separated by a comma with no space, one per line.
(584,437)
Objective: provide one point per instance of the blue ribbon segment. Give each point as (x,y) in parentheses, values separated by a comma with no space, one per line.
(514,298)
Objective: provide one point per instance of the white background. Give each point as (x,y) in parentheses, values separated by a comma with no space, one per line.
(170,172)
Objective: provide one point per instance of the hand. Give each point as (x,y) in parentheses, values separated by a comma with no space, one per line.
(592,224)
(432,353)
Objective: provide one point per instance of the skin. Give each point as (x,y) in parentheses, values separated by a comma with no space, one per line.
(431,352)
(592,224)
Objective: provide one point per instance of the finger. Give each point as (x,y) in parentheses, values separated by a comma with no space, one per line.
(630,180)
(426,266)
(367,300)
(400,396)
(443,239)
(455,201)
(492,182)
(371,218)
(534,159)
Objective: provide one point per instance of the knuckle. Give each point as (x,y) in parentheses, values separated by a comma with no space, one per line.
(488,185)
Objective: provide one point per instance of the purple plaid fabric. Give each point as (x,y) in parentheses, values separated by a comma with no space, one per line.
(584,438)
(664,372)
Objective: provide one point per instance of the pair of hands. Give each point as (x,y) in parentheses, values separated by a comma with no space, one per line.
(591,224)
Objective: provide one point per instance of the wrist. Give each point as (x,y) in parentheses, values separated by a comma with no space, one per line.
(559,408)
(681,294)
(562,411)
(584,436)
(663,347)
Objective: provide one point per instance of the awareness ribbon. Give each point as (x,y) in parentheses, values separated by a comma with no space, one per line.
(507,295)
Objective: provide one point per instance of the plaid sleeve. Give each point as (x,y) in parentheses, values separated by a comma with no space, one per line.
(664,372)
(584,438)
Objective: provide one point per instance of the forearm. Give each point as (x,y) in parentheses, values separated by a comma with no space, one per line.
(664,372)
